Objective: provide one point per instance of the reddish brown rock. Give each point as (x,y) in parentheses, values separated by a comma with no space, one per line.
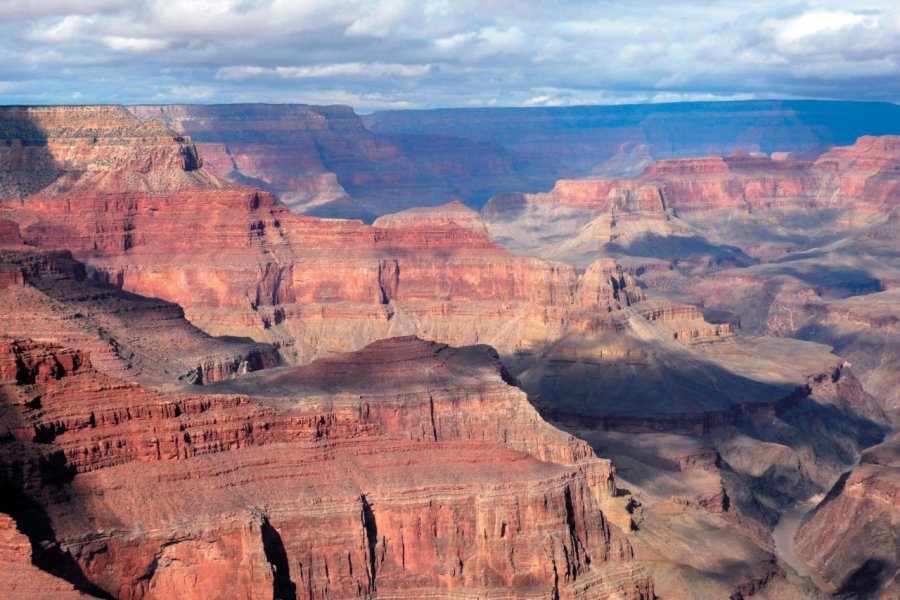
(47,295)
(241,264)
(10,237)
(740,182)
(314,489)
(722,210)
(244,265)
(851,538)
(21,579)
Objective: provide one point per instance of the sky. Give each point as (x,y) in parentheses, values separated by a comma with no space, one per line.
(384,54)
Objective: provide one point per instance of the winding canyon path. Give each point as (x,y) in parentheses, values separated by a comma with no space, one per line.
(786,529)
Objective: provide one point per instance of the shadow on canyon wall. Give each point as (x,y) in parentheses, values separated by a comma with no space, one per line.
(653,245)
(825,422)
(29,478)
(26,165)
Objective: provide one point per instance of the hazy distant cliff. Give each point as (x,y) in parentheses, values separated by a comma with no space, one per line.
(329,161)
(321,160)
(621,140)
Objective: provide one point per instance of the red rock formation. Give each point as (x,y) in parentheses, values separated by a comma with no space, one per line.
(10,237)
(451,214)
(314,490)
(47,295)
(21,579)
(861,177)
(244,265)
(851,538)
(595,140)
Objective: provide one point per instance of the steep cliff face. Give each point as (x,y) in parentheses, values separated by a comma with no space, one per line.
(321,160)
(851,538)
(58,150)
(803,249)
(621,140)
(727,211)
(739,181)
(19,578)
(315,490)
(47,295)
(241,264)
(781,247)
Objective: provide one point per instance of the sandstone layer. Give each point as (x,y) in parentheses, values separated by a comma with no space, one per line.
(47,295)
(19,578)
(771,246)
(449,486)
(731,210)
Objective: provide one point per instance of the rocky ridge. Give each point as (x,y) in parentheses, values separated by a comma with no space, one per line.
(321,160)
(451,505)
(774,246)
(862,560)
(621,140)
(48,296)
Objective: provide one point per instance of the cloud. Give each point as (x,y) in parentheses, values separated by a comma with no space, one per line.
(23,9)
(427,53)
(355,69)
(133,44)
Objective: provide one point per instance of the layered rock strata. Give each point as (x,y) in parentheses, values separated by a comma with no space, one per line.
(47,295)
(315,490)
(621,140)
(730,210)
(586,343)
(19,578)
(244,265)
(860,559)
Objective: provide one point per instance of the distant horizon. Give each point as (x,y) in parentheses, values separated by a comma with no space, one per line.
(462,108)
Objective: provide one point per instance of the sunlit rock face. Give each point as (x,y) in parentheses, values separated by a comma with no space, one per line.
(240,263)
(407,467)
(774,246)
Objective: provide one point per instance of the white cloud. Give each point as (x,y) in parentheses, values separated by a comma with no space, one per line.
(382,18)
(133,44)
(355,69)
(64,30)
(452,53)
(241,72)
(25,9)
(817,21)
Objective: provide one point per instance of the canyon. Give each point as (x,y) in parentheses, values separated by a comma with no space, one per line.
(322,160)
(329,161)
(774,246)
(329,408)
